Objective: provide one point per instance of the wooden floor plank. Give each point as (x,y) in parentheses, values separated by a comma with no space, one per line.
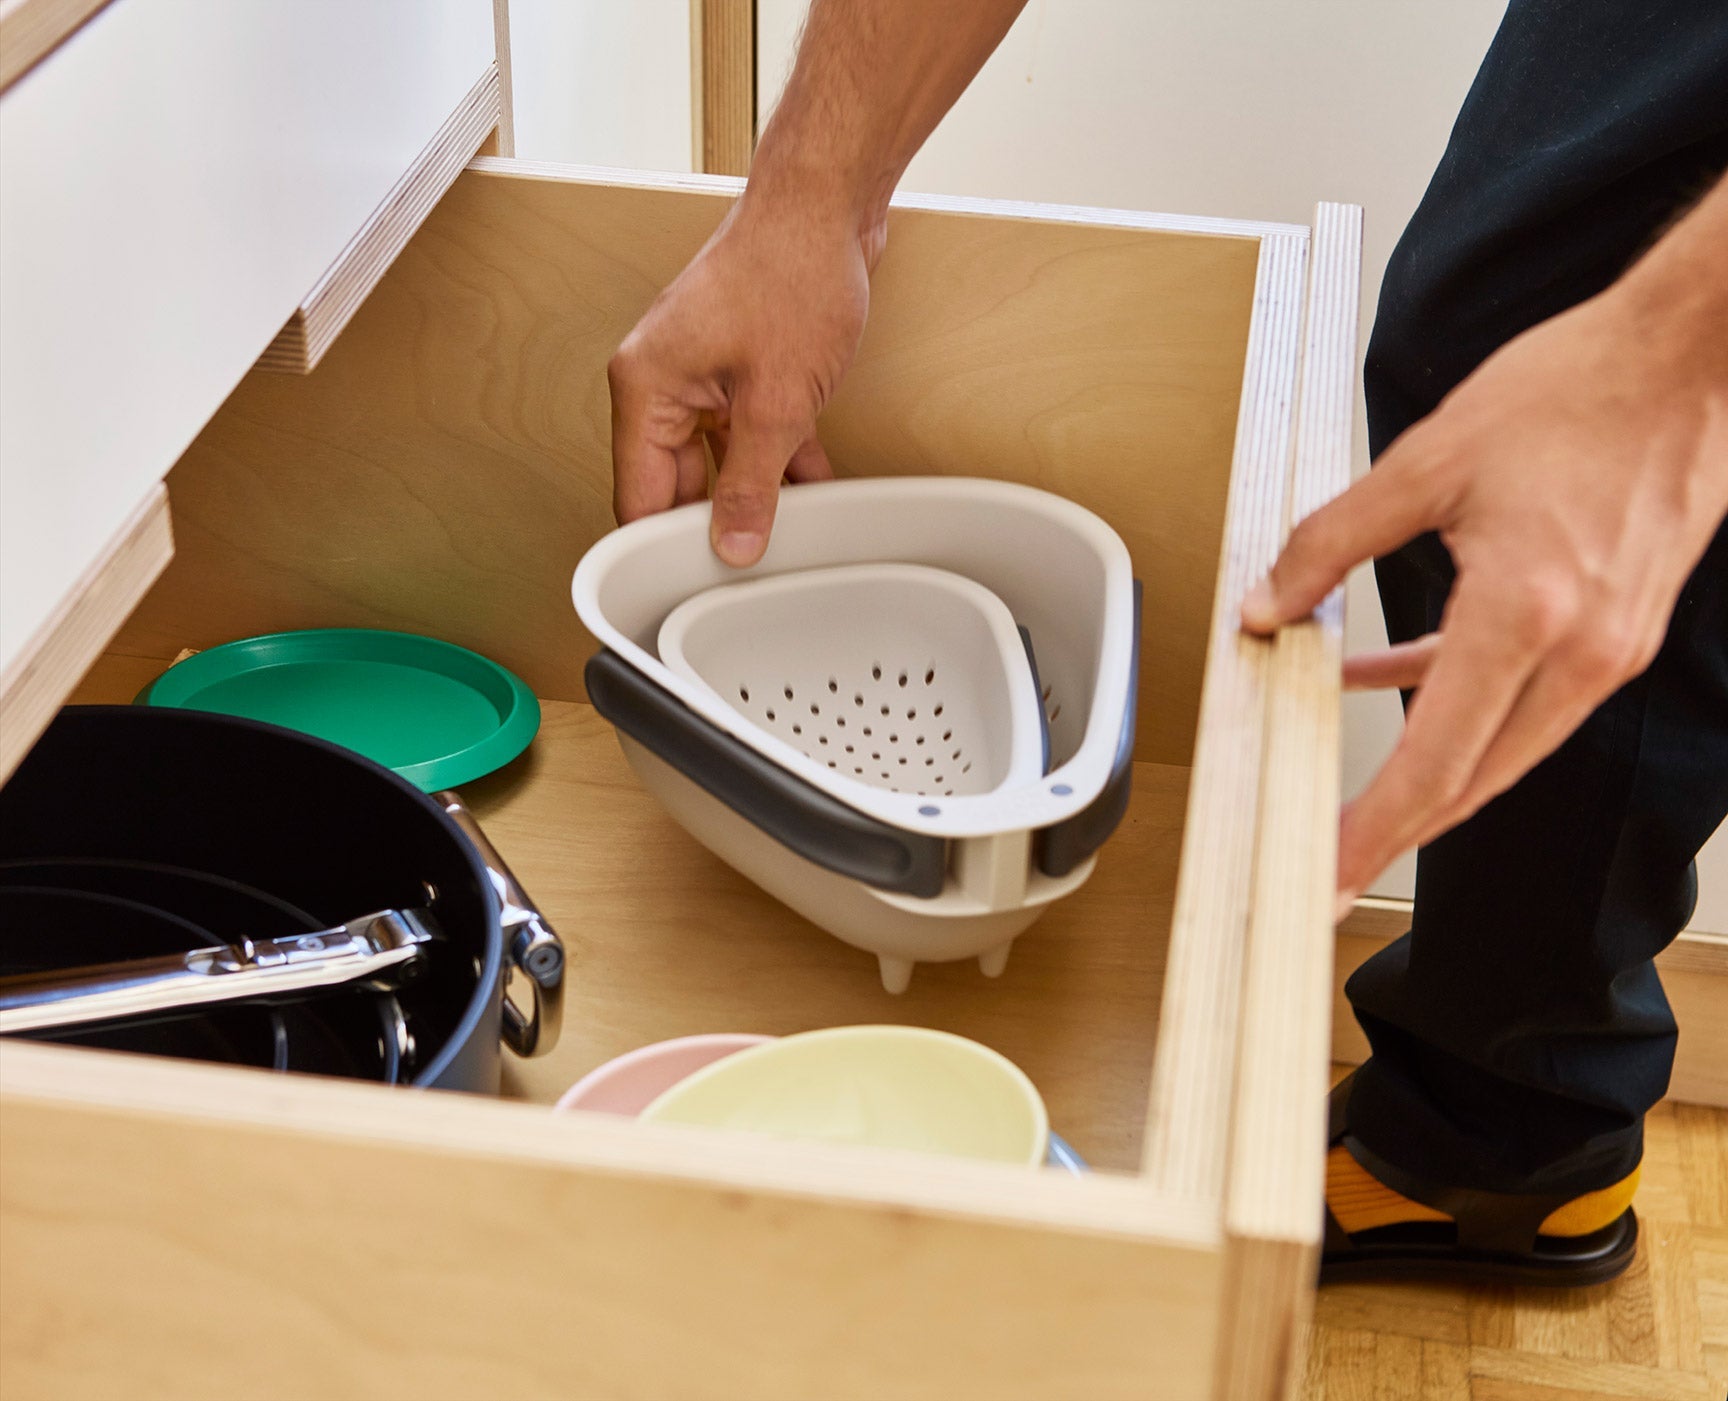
(1659,1332)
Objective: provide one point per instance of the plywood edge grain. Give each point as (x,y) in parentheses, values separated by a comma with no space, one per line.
(1194,1069)
(1694,971)
(724,84)
(504,139)
(1278,1129)
(49,665)
(319,319)
(30,30)
(731,186)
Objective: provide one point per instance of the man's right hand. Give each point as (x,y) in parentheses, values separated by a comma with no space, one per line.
(743,349)
(753,338)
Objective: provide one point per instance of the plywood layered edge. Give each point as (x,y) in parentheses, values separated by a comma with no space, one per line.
(49,665)
(723,85)
(1694,971)
(1275,1180)
(327,308)
(1187,1134)
(30,30)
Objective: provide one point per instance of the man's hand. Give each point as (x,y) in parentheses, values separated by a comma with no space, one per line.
(1576,478)
(753,338)
(745,348)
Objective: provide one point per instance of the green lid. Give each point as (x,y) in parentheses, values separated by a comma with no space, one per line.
(436,713)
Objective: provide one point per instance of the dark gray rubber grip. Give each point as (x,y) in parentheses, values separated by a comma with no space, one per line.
(801,818)
(1063,846)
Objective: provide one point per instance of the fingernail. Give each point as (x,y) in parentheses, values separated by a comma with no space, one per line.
(739,547)
(1257,615)
(1346,903)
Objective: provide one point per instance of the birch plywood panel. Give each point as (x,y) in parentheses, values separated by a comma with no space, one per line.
(447,464)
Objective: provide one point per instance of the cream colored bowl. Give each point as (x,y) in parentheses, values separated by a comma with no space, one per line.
(885,1086)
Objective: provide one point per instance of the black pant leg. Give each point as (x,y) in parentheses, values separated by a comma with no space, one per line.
(1519,1030)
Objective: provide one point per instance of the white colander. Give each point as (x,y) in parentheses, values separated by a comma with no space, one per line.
(898,678)
(912,721)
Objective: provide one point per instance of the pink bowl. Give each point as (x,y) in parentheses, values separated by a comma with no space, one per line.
(629,1083)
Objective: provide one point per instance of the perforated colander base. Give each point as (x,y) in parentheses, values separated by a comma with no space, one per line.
(886,724)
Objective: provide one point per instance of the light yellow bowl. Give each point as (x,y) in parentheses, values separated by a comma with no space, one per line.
(887,1086)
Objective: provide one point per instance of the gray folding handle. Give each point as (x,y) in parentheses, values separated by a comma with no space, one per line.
(800,817)
(1062,846)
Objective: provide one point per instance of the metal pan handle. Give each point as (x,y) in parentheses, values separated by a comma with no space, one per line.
(530,944)
(382,949)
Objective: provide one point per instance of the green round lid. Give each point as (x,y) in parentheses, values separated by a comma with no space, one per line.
(436,713)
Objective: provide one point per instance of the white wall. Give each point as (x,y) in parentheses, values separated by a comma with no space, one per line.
(1239,108)
(599,82)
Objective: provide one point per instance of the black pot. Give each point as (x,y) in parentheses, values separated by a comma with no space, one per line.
(310,832)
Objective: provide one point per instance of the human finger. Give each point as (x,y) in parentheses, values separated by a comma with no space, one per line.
(1394,503)
(810,463)
(1402,666)
(1491,645)
(758,449)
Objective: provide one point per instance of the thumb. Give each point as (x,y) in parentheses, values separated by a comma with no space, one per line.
(748,486)
(1391,505)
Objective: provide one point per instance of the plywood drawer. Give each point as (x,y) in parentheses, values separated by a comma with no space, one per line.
(178,176)
(441,471)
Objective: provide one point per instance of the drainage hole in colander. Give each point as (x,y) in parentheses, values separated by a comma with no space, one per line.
(929,676)
(929,762)
(902,759)
(966,769)
(911,714)
(832,764)
(866,729)
(770,714)
(833,686)
(848,749)
(1046,693)
(744,693)
(1056,712)
(885,710)
(821,739)
(947,734)
(858,699)
(815,709)
(955,754)
(919,740)
(840,720)
(797,729)
(893,739)
(878,757)
(902,678)
(937,710)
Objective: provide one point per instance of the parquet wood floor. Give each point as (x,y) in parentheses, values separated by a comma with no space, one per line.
(1659,1333)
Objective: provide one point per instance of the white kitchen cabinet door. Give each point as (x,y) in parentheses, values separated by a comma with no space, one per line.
(174,178)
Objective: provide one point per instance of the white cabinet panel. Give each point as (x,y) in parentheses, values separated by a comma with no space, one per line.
(602,83)
(173,180)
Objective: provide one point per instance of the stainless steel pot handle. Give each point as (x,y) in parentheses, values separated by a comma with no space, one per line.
(532,947)
(382,950)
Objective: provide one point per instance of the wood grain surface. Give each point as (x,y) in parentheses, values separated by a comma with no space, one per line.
(449,461)
(49,665)
(327,308)
(32,29)
(1659,1333)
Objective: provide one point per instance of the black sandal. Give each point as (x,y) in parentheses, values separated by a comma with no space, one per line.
(1493,1237)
